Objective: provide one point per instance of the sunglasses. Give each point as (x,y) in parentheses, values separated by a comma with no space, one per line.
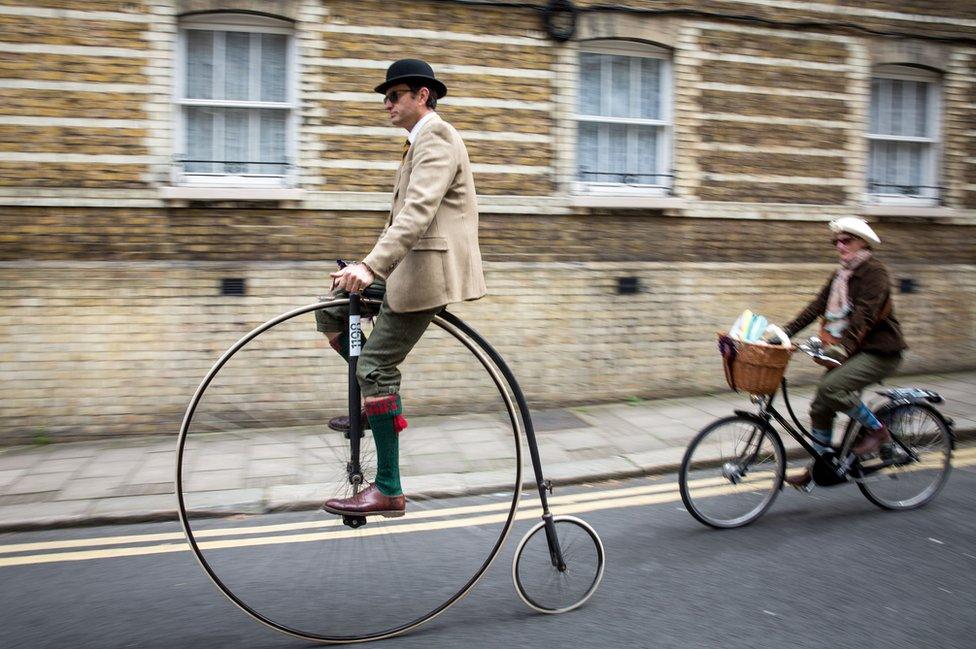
(394,97)
(843,240)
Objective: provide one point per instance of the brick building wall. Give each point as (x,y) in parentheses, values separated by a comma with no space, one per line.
(110,268)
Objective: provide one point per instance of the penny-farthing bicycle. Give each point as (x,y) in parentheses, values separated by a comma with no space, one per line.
(256,459)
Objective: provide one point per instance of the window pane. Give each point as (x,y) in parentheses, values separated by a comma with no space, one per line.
(273,57)
(590,87)
(897,106)
(897,168)
(874,123)
(647,142)
(620,86)
(199,64)
(617,155)
(587,152)
(236,140)
(650,99)
(237,64)
(199,139)
(900,107)
(921,126)
(272,142)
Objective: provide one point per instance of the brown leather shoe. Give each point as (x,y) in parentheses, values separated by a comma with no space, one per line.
(368,502)
(341,423)
(872,441)
(802,481)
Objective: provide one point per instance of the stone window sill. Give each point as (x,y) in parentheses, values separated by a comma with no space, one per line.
(909,211)
(627,202)
(186,193)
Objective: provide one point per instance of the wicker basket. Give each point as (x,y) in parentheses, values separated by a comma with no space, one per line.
(756,368)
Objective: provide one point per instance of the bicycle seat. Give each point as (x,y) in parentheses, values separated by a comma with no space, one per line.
(374,292)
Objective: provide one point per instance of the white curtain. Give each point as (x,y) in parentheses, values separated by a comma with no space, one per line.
(627,87)
(253,67)
(199,64)
(899,108)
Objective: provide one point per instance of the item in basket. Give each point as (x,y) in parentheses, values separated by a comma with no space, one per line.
(776,336)
(749,327)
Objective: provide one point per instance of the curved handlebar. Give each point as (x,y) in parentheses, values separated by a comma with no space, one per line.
(813,348)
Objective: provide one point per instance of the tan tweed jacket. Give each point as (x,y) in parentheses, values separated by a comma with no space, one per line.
(428,252)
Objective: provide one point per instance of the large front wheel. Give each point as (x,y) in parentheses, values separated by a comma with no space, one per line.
(732,472)
(256,459)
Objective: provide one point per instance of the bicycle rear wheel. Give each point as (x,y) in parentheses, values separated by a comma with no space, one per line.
(256,460)
(549,588)
(904,482)
(732,472)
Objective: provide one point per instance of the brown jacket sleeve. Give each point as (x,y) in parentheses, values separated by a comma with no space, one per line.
(434,167)
(812,311)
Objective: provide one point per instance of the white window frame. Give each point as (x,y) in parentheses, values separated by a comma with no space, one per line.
(930,194)
(665,152)
(241,23)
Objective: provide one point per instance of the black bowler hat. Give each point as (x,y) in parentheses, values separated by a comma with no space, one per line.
(407,70)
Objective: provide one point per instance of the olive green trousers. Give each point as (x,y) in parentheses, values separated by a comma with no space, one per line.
(840,388)
(393,336)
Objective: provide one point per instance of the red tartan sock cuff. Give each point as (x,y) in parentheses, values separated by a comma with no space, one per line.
(389,405)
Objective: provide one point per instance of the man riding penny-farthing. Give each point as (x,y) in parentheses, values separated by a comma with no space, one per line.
(380,567)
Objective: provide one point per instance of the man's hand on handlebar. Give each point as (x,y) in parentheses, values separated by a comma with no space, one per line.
(352,278)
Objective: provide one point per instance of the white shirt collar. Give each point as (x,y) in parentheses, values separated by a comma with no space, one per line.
(415,131)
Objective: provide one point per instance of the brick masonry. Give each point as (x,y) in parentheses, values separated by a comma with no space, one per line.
(111,312)
(104,349)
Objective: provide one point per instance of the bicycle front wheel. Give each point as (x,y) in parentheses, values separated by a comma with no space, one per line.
(256,459)
(548,587)
(910,479)
(732,472)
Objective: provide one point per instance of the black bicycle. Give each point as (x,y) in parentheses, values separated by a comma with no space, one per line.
(340,580)
(734,468)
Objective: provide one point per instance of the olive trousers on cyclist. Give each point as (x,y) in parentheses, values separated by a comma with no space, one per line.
(840,388)
(394,335)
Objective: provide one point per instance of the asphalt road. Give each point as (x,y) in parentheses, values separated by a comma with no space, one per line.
(826,569)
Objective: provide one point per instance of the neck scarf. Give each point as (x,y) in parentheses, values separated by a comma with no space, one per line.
(839,302)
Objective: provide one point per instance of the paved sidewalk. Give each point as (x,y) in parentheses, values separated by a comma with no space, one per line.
(130,480)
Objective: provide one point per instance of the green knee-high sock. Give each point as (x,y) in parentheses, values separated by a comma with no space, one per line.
(386,420)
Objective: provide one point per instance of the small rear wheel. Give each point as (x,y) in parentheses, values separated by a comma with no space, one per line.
(732,471)
(550,588)
(919,464)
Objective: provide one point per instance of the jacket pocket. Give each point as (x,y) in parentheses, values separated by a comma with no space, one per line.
(431,243)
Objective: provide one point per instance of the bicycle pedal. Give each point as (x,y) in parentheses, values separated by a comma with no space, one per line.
(355,522)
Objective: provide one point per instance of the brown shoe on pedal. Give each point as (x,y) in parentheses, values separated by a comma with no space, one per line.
(341,423)
(872,441)
(368,502)
(802,481)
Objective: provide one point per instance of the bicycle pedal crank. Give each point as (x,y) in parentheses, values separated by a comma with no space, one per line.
(355,522)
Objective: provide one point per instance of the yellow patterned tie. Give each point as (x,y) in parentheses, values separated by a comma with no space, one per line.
(406,147)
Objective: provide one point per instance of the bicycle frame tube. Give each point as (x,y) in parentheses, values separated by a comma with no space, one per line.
(800,434)
(355,347)
(554,550)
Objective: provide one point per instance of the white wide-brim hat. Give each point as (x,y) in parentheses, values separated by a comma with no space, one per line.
(857,227)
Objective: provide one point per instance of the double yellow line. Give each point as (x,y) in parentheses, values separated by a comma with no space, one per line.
(332,529)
